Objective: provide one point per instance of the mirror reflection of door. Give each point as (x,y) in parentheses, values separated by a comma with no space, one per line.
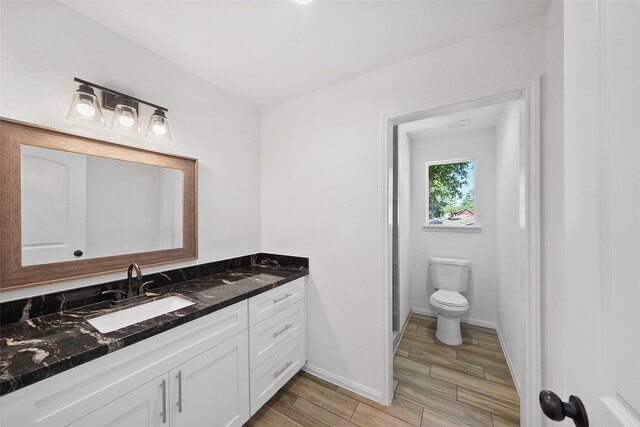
(56,180)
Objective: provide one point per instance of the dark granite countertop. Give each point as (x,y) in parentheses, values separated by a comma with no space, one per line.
(37,348)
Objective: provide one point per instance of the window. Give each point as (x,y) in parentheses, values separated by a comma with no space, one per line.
(450,194)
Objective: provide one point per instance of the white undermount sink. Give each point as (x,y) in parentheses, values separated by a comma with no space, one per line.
(129,316)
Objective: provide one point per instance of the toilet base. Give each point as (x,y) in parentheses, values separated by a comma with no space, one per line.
(448,330)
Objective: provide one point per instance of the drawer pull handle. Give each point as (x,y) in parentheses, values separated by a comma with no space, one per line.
(179,402)
(284,368)
(275,334)
(163,414)
(275,301)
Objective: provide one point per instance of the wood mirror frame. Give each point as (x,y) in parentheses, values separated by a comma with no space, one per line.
(12,273)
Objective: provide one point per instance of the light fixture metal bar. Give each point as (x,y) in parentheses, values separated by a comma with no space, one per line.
(124,95)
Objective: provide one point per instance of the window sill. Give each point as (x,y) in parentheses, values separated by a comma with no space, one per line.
(463,229)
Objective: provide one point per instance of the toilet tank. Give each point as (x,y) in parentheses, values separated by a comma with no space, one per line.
(449,274)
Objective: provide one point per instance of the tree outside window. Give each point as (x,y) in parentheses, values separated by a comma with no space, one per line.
(450,194)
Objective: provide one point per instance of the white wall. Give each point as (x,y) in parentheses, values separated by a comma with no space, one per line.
(142,219)
(322,183)
(404,223)
(512,293)
(45,44)
(479,248)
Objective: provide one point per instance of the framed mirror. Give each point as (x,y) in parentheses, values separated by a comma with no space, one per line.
(74,206)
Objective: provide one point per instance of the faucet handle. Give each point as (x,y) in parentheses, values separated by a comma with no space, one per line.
(117,293)
(141,288)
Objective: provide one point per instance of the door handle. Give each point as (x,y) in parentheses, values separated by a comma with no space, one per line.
(554,408)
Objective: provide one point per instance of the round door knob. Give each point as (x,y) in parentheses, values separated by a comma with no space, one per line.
(557,410)
(78,253)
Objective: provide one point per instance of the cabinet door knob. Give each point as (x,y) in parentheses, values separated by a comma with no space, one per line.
(78,253)
(557,410)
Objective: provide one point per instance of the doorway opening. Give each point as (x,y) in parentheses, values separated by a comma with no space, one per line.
(488,211)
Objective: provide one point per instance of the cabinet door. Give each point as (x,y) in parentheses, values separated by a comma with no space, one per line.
(212,389)
(144,406)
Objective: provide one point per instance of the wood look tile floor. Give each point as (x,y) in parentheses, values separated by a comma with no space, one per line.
(435,385)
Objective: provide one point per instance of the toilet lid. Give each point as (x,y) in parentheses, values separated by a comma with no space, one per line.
(453,299)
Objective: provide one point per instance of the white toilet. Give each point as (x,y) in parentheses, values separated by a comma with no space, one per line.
(450,277)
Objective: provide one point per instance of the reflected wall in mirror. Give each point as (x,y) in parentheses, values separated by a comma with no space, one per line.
(76,206)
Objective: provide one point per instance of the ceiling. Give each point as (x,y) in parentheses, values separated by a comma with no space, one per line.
(265,52)
(479,118)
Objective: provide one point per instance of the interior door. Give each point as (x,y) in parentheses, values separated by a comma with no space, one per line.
(600,354)
(623,191)
(53,205)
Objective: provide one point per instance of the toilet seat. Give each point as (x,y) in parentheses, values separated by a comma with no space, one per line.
(449,298)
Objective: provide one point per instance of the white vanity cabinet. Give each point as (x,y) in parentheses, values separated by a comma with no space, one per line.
(215,371)
(277,339)
(203,365)
(210,389)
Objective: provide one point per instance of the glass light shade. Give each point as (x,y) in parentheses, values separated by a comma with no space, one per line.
(85,106)
(125,117)
(158,126)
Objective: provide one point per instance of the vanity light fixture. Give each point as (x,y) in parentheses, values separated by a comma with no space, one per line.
(125,110)
(158,126)
(125,116)
(85,106)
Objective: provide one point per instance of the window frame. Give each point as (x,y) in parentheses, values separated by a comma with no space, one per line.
(476,228)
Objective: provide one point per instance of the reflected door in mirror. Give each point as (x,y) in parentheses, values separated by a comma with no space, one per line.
(53,203)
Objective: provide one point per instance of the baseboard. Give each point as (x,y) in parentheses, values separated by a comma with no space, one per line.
(343,382)
(398,336)
(469,320)
(516,381)
(424,311)
(486,324)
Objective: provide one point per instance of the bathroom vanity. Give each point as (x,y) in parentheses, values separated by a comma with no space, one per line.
(204,345)
(214,362)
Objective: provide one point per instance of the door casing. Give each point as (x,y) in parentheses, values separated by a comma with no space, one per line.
(528,91)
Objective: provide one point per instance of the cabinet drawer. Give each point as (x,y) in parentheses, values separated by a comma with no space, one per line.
(272,334)
(269,377)
(275,300)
